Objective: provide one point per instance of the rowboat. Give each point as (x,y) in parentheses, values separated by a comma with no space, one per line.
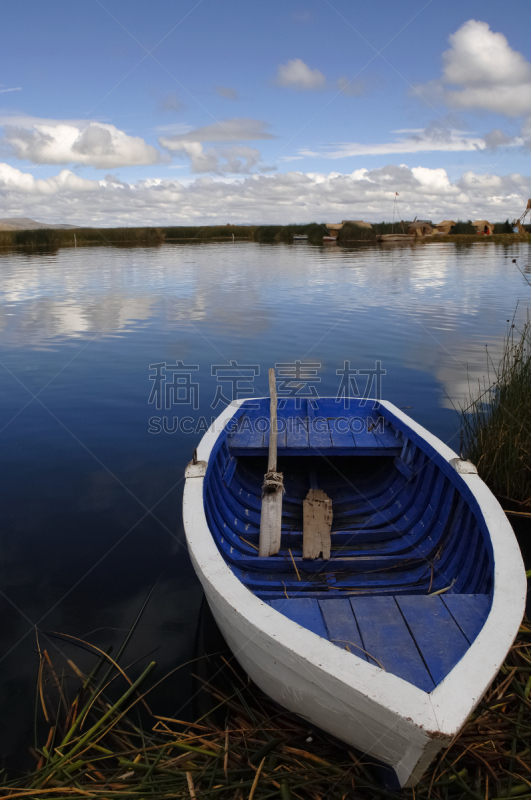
(300,237)
(389,640)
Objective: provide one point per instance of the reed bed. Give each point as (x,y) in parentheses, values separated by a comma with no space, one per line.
(247,748)
(53,238)
(285,233)
(496,420)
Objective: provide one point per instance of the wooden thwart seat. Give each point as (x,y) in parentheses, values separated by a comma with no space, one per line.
(304,436)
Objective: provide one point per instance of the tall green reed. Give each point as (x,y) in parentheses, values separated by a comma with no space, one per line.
(496,419)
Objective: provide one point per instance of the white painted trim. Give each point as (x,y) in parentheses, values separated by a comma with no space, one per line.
(462,689)
(336,690)
(211,436)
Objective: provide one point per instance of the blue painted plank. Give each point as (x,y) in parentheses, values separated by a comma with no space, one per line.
(348,450)
(469,611)
(341,625)
(366,438)
(319,434)
(386,438)
(245,430)
(386,637)
(340,432)
(470,566)
(256,436)
(303,610)
(438,637)
(404,469)
(364,426)
(281,435)
(456,556)
(229,470)
(297,432)
(229,527)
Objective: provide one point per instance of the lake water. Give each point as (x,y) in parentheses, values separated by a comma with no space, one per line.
(91,499)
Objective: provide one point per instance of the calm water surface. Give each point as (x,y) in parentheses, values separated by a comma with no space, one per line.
(91,516)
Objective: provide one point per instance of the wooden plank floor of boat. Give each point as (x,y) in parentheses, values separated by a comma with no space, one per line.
(420,638)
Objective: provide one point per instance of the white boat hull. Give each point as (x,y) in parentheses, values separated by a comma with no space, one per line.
(374,711)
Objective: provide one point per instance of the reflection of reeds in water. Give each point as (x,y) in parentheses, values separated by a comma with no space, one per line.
(497,420)
(247,747)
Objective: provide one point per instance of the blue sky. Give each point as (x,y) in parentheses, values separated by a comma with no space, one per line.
(117,112)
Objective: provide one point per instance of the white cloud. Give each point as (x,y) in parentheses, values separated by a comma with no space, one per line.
(173,128)
(431,139)
(24,183)
(482,71)
(237,130)
(526,133)
(434,179)
(295,196)
(90,143)
(238,159)
(14,89)
(478,56)
(227,92)
(298,75)
(497,138)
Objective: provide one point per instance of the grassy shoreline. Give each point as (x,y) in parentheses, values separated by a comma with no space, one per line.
(154,236)
(56,238)
(246,746)
(495,421)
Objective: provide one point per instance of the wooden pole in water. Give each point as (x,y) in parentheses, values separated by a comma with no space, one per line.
(273,488)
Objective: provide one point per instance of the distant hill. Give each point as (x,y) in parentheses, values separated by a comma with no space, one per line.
(25,224)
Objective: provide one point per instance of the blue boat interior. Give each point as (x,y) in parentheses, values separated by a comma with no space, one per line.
(408,586)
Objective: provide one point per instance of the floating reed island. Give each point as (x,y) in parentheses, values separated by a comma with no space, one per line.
(247,748)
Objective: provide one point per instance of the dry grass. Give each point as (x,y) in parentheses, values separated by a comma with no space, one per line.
(250,749)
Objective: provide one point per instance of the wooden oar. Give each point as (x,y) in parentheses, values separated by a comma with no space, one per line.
(273,488)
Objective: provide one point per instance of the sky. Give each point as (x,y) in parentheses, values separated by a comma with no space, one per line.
(192,112)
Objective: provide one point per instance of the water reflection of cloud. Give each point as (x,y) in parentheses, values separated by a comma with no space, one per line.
(460,365)
(37,321)
(107,292)
(424,305)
